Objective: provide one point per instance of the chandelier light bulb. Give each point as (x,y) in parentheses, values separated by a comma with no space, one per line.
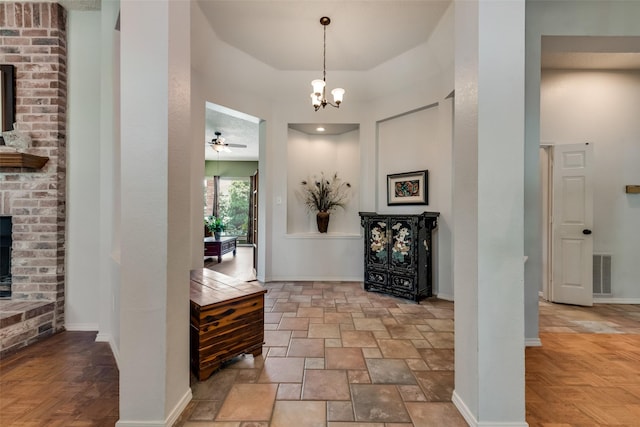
(317,97)
(338,94)
(318,87)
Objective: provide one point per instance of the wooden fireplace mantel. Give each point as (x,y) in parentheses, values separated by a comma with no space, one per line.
(22,160)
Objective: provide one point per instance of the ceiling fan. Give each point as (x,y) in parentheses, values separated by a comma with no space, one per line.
(218,143)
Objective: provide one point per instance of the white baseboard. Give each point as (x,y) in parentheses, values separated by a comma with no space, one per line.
(464,410)
(180,406)
(532,342)
(445,297)
(471,420)
(314,279)
(605,300)
(171,419)
(84,327)
(102,337)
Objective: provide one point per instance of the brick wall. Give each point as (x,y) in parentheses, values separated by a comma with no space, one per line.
(33,39)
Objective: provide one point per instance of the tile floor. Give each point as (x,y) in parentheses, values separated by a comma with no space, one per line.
(337,356)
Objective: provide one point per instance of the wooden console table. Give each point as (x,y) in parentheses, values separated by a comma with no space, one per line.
(218,247)
(227,320)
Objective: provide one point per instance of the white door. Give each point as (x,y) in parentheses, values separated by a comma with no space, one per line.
(572,223)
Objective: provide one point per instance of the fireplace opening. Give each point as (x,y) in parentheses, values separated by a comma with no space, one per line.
(5,256)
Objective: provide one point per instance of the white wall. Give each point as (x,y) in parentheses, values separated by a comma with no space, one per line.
(602,107)
(308,157)
(244,84)
(416,141)
(83,159)
(556,18)
(488,149)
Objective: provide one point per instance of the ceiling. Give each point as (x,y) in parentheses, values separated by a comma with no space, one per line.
(287,35)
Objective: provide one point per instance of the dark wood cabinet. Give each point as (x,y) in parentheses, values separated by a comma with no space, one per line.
(397,253)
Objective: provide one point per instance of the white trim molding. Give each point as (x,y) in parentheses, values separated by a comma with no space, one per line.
(532,342)
(605,300)
(471,420)
(171,419)
(82,327)
(102,337)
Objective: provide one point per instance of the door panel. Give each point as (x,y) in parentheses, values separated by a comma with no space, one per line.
(572,251)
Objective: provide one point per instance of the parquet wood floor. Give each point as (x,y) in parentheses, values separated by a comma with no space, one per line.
(67,380)
(579,380)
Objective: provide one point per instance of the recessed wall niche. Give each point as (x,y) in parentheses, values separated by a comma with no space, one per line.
(311,152)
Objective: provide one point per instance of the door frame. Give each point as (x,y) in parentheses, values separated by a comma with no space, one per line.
(546,162)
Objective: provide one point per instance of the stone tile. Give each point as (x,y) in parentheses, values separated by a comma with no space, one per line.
(277,352)
(248,402)
(306,347)
(441,325)
(276,338)
(337,318)
(325,385)
(438,359)
(389,371)
(299,334)
(378,403)
(344,358)
(398,349)
(358,377)
(289,392)
(324,331)
(282,370)
(366,324)
(332,342)
(205,410)
(440,339)
(291,307)
(381,334)
(247,375)
(216,387)
(411,393)
(211,424)
(435,414)
(358,339)
(314,363)
(299,414)
(294,323)
(339,411)
(310,312)
(436,385)
(417,365)
(418,344)
(272,317)
(371,353)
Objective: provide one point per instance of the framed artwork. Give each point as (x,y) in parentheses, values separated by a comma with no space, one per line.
(409,188)
(7,101)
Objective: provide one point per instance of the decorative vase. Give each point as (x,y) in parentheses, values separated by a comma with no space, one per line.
(216,235)
(322,219)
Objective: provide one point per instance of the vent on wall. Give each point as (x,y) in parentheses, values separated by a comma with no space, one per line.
(602,274)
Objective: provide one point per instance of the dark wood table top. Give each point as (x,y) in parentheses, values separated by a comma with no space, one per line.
(209,287)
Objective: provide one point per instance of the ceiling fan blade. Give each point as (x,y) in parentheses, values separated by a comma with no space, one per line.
(236,145)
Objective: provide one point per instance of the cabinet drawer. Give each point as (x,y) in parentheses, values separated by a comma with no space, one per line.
(402,282)
(377,277)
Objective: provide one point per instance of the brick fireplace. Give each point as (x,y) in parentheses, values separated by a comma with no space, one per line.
(33,40)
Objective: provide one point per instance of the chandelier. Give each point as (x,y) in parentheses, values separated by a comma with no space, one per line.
(318,98)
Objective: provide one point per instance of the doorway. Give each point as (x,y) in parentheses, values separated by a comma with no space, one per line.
(567,210)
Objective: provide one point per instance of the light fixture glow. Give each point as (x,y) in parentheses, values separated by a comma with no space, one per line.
(320,129)
(318,98)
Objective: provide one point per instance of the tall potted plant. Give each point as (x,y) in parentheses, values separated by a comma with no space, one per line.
(323,195)
(215,225)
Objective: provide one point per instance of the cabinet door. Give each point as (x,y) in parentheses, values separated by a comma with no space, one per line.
(377,251)
(402,243)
